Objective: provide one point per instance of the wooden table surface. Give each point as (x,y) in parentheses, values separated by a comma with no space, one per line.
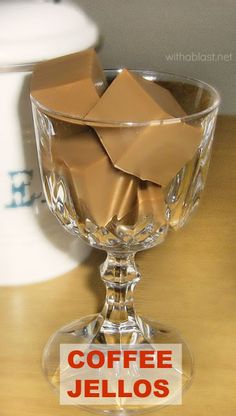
(188,282)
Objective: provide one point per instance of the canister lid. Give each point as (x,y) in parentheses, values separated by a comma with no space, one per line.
(40,30)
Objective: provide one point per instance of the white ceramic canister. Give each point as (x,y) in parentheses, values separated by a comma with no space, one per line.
(33,245)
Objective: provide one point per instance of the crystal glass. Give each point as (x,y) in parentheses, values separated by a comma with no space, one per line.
(81,202)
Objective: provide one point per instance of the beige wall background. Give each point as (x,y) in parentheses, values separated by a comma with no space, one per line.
(143,33)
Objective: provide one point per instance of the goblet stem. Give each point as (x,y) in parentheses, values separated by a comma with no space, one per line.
(120,275)
(117,323)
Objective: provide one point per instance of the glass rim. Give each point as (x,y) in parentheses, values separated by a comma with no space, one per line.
(21,67)
(147,73)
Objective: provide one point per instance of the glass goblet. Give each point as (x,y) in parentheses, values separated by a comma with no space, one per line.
(98,203)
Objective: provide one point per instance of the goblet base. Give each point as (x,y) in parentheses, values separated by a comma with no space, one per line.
(96,329)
